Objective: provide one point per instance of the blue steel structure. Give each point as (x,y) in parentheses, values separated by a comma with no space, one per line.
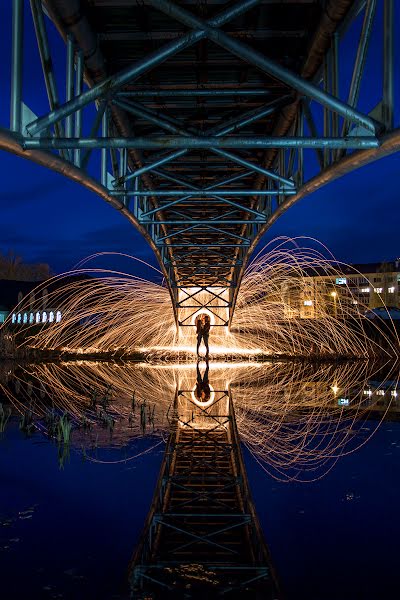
(202,537)
(203,122)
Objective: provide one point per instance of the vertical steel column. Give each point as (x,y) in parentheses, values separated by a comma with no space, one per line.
(362,52)
(388,64)
(300,160)
(123,163)
(69,91)
(327,112)
(335,86)
(359,64)
(17,64)
(93,133)
(281,170)
(104,133)
(136,200)
(78,114)
(45,58)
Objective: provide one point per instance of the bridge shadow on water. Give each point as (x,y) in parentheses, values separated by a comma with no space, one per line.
(81,444)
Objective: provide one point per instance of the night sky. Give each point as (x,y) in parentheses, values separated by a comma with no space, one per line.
(47,218)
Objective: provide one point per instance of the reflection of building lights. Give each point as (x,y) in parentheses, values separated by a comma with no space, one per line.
(343,401)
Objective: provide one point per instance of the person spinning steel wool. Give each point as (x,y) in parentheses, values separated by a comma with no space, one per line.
(203,332)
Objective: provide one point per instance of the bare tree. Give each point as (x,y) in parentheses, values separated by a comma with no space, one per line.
(13,267)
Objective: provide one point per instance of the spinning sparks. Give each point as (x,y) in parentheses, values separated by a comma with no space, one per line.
(285,306)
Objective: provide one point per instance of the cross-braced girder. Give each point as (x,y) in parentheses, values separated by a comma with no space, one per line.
(202,518)
(203,123)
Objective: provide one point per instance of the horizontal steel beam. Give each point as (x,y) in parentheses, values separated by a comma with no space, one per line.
(232,265)
(163,35)
(194,203)
(205,222)
(155,143)
(179,93)
(203,193)
(196,245)
(221,130)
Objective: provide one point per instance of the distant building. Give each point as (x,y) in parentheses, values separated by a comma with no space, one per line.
(4,312)
(36,309)
(12,292)
(368,286)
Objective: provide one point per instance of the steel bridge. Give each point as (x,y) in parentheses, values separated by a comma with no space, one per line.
(203,121)
(202,537)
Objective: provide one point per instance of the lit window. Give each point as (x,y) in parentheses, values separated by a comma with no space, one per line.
(31,318)
(44,317)
(391,290)
(355,302)
(25,317)
(38,317)
(307,302)
(394,393)
(380,392)
(364,290)
(378,290)
(58,316)
(19,318)
(13,318)
(51,316)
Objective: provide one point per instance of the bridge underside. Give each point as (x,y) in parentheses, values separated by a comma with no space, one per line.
(203,121)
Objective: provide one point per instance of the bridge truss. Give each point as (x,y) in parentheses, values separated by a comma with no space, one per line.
(202,122)
(202,536)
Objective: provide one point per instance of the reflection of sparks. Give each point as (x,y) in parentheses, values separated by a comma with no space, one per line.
(215,350)
(286,413)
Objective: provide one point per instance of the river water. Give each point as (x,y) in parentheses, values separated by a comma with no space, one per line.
(321,445)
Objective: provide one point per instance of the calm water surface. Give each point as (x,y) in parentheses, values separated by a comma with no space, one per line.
(70,532)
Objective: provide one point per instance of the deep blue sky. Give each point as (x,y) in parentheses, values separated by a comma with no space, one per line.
(47,218)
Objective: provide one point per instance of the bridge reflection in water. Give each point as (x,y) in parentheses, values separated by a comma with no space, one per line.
(202,535)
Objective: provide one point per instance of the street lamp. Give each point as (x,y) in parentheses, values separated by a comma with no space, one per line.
(334,296)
